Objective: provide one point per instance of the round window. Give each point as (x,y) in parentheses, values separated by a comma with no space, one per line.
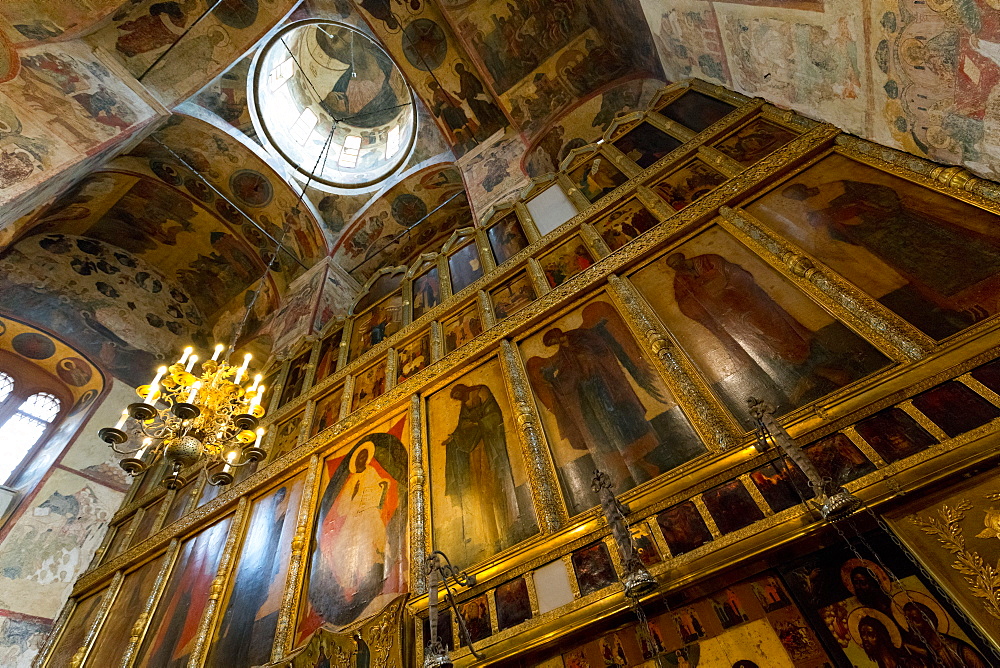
(332,103)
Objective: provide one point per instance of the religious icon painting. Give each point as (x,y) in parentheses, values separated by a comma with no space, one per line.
(118,540)
(444,629)
(296,378)
(871,607)
(124,611)
(327,411)
(988,374)
(836,457)
(381,321)
(286,435)
(683,528)
(173,628)
(476,614)
(755,141)
(728,607)
(566,261)
(256,588)
(618,649)
(358,552)
(602,404)
(696,111)
(689,625)
(645,144)
(209,491)
(649,555)
(413,356)
(512,295)
(782,484)
(506,238)
(731,506)
(689,183)
(594,568)
(369,384)
(894,434)
(426,290)
(180,503)
(462,327)
(751,332)
(329,352)
(147,522)
(625,223)
(479,493)
(465,267)
(385,284)
(955,408)
(513,604)
(897,240)
(75,633)
(770,593)
(596,178)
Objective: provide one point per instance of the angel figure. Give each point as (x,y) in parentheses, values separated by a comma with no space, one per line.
(588,385)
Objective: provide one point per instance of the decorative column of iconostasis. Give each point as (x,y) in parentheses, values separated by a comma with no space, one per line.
(418,494)
(296,566)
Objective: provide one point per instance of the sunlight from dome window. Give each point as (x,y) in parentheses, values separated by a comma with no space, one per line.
(19,433)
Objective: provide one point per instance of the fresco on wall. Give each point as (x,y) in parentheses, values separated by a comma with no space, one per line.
(250,619)
(480,500)
(894,239)
(52,543)
(749,329)
(871,616)
(226,97)
(173,627)
(491,171)
(603,405)
(21,638)
(358,558)
(507,238)
(127,606)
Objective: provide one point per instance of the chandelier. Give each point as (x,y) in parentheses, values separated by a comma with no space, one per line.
(188,417)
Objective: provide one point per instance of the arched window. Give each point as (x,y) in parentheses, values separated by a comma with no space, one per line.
(24,419)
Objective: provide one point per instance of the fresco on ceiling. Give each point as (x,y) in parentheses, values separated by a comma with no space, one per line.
(10,64)
(541,57)
(33,22)
(266,203)
(586,123)
(112,304)
(52,542)
(421,41)
(140,33)
(226,97)
(66,107)
(430,204)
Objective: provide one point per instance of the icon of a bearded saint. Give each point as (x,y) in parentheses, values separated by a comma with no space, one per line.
(354,554)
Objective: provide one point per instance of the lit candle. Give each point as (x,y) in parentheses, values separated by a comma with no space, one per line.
(256,382)
(218,351)
(230,458)
(191,361)
(121,421)
(187,353)
(154,387)
(146,442)
(243,369)
(260,435)
(256,398)
(194,391)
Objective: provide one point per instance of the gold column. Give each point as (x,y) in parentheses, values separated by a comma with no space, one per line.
(545,492)
(283,632)
(139,628)
(885,329)
(621,161)
(692,394)
(720,161)
(656,204)
(573,192)
(206,627)
(418,502)
(673,128)
(527,222)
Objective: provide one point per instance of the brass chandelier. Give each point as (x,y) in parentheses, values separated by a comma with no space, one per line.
(189,416)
